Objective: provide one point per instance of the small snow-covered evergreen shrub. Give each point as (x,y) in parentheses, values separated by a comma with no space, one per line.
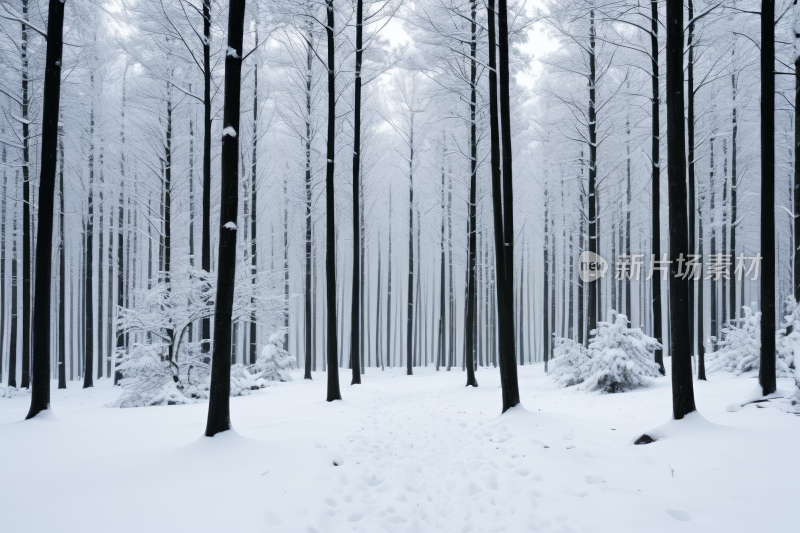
(567,365)
(274,363)
(739,350)
(150,378)
(788,345)
(620,358)
(13,392)
(161,367)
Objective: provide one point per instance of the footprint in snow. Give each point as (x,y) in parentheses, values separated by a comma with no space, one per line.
(677,514)
(594,480)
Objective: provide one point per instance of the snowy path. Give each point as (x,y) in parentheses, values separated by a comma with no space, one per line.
(411,454)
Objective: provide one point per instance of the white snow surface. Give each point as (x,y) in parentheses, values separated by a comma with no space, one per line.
(416,453)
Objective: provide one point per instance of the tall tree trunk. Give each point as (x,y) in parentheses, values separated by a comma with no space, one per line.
(309,59)
(389,290)
(362,311)
(796,188)
(682,392)
(469,348)
(766,372)
(314,307)
(656,182)
(88,369)
(571,317)
(3,332)
(378,355)
(12,342)
(522,306)
(502,204)
(410,307)
(690,132)
(355,311)
(100,267)
(724,230)
(734,133)
(628,304)
(701,345)
(253,205)
(330,252)
(40,392)
(581,234)
(442,281)
(286,262)
(122,269)
(451,289)
(712,212)
(219,419)
(546,285)
(26,207)
(206,245)
(167,208)
(62,369)
(593,237)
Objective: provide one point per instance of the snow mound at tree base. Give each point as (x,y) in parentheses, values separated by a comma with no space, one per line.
(690,425)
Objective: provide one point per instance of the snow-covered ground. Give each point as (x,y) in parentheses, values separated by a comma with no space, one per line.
(410,454)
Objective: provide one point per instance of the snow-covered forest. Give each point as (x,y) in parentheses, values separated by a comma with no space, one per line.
(228,211)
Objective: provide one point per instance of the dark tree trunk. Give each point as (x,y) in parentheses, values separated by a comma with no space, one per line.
(712,212)
(734,133)
(451,327)
(100,267)
(12,341)
(120,226)
(469,345)
(206,245)
(582,339)
(40,392)
(219,419)
(724,230)
(656,183)
(442,310)
(546,284)
(410,307)
(167,209)
(628,304)
(766,372)
(571,317)
(378,355)
(3,332)
(522,306)
(88,350)
(593,287)
(314,306)
(286,264)
(253,219)
(690,133)
(26,208)
(682,392)
(355,311)
(62,370)
(388,355)
(796,189)
(330,251)
(502,206)
(701,346)
(309,59)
